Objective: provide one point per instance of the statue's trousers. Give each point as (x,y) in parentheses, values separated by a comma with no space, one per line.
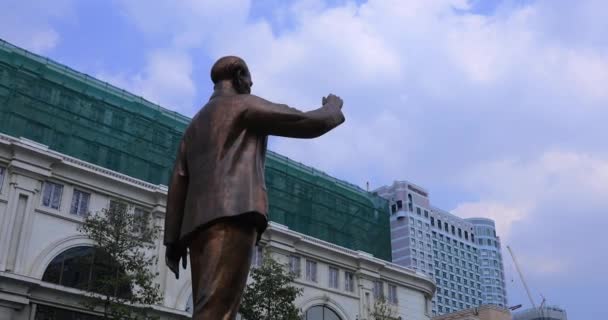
(220,257)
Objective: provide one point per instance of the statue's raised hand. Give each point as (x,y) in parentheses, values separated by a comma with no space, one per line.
(333,100)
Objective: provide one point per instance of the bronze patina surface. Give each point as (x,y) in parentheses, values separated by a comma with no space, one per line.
(217,193)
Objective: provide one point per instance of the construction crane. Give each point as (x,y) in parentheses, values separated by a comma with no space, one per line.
(521,276)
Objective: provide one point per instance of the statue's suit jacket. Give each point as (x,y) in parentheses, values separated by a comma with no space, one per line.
(219,169)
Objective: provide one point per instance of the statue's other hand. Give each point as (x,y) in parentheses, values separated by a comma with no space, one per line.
(333,100)
(173,255)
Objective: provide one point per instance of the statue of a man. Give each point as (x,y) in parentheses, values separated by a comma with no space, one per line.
(217,203)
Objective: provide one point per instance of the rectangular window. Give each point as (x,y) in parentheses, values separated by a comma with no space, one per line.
(460,232)
(393,208)
(2,172)
(258,256)
(333,277)
(438,223)
(378,289)
(311,271)
(426,214)
(432,221)
(80,203)
(116,205)
(399,204)
(392,294)
(294,266)
(51,195)
(349,281)
(142,219)
(418,210)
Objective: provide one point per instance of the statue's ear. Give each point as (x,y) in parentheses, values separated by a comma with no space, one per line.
(237,77)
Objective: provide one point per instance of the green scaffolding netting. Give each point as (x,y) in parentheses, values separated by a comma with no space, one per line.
(83,117)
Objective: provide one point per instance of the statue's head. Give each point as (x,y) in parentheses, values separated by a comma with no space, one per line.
(232,70)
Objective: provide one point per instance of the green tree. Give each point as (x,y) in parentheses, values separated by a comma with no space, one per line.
(271,295)
(123,287)
(383,310)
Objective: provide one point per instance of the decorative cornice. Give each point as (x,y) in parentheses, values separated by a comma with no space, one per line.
(44,151)
(415,279)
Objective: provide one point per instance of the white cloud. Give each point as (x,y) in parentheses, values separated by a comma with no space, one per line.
(534,201)
(490,82)
(166,80)
(28,24)
(42,40)
(189,23)
(503,214)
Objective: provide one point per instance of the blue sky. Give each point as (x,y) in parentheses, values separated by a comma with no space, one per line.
(497,107)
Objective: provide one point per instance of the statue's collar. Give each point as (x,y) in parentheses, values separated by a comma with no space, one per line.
(223,89)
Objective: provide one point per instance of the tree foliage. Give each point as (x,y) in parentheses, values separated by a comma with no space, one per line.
(271,295)
(125,287)
(383,310)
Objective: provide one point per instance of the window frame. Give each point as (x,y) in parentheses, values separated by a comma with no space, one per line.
(349,281)
(378,289)
(258,256)
(55,186)
(311,270)
(392,294)
(2,176)
(295,268)
(88,202)
(333,275)
(140,213)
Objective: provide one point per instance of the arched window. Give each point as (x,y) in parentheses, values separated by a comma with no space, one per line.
(321,313)
(84,268)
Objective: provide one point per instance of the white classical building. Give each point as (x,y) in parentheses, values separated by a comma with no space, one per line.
(45,194)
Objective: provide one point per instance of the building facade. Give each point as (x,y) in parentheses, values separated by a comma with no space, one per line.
(456,262)
(541,313)
(45,195)
(491,262)
(410,224)
(442,245)
(483,312)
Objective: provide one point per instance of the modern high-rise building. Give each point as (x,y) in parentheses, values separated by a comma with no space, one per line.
(446,247)
(491,262)
(410,225)
(456,263)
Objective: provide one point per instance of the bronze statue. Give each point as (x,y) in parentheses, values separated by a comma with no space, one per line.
(217,203)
